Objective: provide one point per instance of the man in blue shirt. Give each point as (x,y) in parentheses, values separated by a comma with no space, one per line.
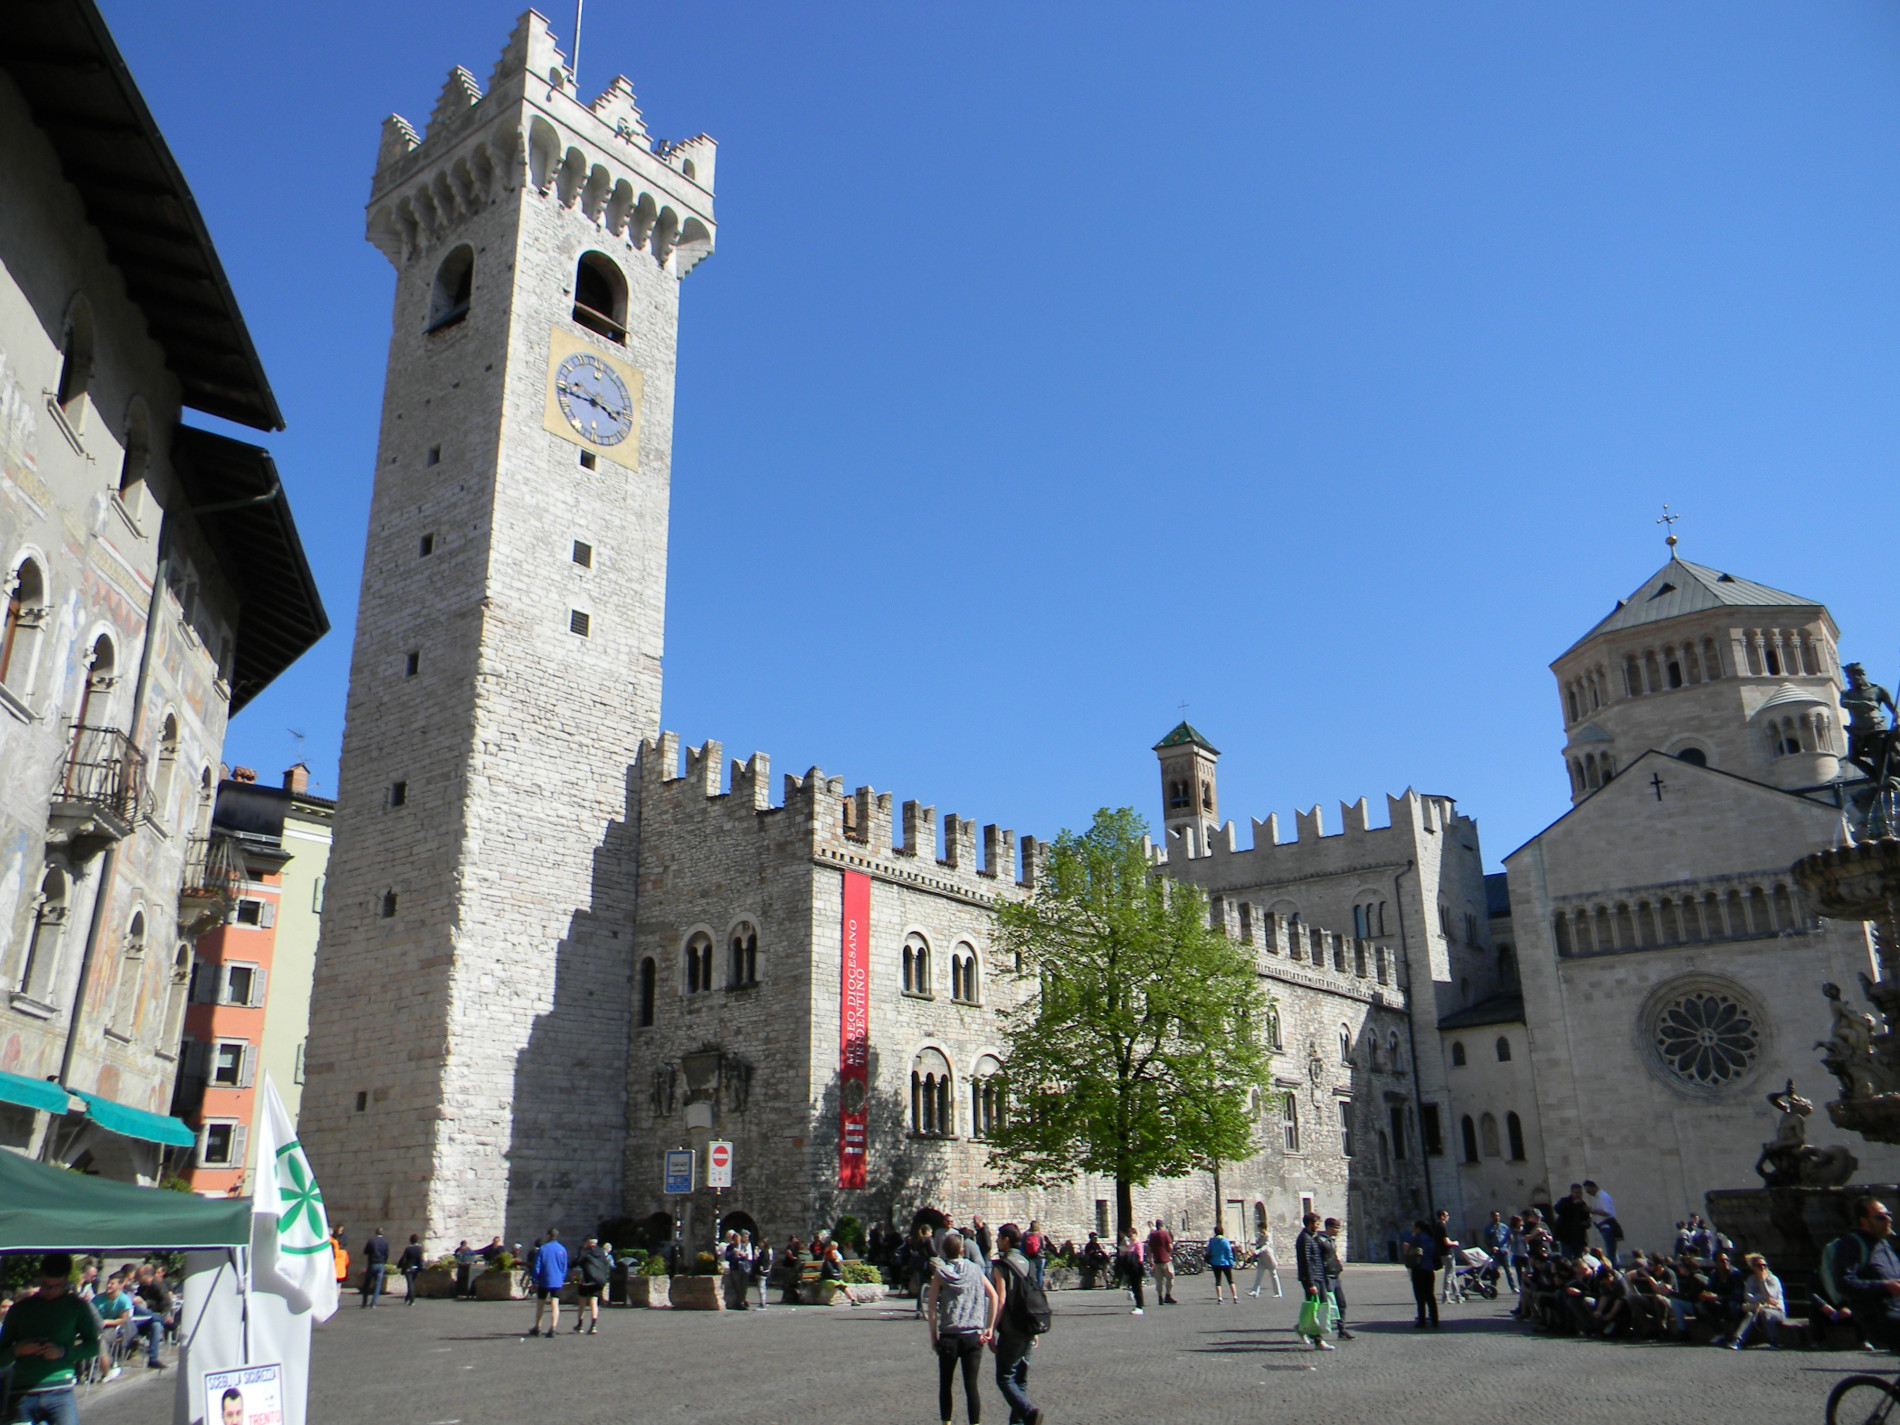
(1868,1272)
(1496,1238)
(547,1269)
(1420,1249)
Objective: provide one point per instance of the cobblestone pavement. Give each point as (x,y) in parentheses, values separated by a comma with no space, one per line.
(467,1363)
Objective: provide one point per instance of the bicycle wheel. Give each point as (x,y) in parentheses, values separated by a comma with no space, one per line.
(1862,1400)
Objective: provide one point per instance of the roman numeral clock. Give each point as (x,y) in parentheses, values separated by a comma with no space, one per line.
(593,399)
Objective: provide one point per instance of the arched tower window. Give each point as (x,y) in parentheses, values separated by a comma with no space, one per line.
(649,976)
(137,457)
(1393,1053)
(963,986)
(916,965)
(1504,1050)
(1468,1131)
(742,956)
(699,963)
(1457,1053)
(1345,1044)
(454,286)
(930,1101)
(1514,1134)
(175,1000)
(600,296)
(1488,1135)
(101,673)
(131,977)
(41,961)
(167,778)
(986,1097)
(25,618)
(1273,1027)
(1290,1121)
(76,358)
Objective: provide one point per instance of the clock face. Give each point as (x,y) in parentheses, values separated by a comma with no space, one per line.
(594,399)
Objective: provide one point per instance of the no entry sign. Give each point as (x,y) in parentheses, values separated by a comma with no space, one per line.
(719,1165)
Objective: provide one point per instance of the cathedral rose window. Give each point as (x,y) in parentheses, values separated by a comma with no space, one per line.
(1707,1038)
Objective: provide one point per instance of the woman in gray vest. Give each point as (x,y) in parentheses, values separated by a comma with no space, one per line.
(961,1305)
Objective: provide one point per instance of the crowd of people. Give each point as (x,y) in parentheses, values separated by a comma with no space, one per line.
(1701,1288)
(75,1326)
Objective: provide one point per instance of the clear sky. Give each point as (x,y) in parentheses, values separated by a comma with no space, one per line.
(1322,367)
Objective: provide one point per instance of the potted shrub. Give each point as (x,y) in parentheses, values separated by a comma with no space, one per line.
(437,1279)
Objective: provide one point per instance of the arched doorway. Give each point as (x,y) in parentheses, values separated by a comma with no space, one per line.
(739,1222)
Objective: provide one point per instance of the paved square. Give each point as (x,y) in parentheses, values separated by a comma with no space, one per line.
(467,1363)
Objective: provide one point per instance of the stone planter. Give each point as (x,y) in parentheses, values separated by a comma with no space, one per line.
(695,1294)
(823,1293)
(435,1282)
(647,1291)
(495,1286)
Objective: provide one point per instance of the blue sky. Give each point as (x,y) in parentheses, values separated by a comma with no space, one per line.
(1323,367)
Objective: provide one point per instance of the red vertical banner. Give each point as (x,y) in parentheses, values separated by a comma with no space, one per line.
(854,1029)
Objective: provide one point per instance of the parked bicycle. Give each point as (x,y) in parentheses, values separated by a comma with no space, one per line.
(1864,1400)
(1190,1259)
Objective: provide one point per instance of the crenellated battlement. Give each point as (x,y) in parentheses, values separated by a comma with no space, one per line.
(1408,816)
(531,129)
(823,820)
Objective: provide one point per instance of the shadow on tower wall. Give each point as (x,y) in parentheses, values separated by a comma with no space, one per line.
(569,1108)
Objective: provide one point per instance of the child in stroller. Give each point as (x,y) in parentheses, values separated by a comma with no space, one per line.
(1477,1273)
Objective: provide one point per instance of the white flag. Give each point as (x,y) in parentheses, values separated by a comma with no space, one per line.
(293,1246)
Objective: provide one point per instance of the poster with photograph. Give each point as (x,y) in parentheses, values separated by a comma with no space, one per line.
(253,1395)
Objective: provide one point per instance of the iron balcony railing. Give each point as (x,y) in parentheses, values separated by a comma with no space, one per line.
(106,772)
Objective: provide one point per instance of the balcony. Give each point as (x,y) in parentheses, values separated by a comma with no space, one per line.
(214,873)
(100,794)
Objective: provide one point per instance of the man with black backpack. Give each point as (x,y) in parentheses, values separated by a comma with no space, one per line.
(1024,1317)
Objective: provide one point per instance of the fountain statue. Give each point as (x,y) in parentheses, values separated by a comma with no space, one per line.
(1804,1202)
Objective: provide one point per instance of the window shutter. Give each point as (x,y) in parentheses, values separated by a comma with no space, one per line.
(257,986)
(267,914)
(198,1153)
(197,1053)
(296,1073)
(316,896)
(247,1069)
(239,1134)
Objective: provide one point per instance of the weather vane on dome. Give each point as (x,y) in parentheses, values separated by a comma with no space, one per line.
(1670,521)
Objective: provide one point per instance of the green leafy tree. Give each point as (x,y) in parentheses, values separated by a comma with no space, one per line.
(1137,1053)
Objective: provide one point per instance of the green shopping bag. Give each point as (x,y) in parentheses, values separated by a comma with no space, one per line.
(1316,1316)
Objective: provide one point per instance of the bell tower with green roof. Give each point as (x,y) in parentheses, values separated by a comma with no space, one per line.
(1190,798)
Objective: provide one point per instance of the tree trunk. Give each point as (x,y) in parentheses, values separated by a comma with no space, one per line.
(1220,1225)
(1124,1207)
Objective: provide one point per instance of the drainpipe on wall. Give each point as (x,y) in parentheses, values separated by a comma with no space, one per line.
(1411,1035)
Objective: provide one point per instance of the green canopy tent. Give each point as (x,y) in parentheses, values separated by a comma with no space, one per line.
(48,1209)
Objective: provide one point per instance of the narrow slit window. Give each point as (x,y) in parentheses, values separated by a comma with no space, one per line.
(434,457)
(411,664)
(425,546)
(398,793)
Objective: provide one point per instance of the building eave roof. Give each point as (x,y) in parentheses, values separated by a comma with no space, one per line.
(1680,587)
(280,612)
(81,93)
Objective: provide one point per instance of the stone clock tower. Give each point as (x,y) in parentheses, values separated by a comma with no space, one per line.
(465,1072)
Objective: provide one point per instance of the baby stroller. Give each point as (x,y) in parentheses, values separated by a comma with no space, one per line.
(1477,1273)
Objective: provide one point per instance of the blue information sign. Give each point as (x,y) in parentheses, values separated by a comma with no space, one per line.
(679,1172)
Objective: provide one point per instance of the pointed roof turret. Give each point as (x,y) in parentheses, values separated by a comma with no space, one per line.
(1680,587)
(1184,735)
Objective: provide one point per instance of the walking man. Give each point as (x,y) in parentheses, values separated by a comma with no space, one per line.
(1447,1244)
(1309,1259)
(1161,1258)
(1330,1259)
(547,1270)
(375,1268)
(1603,1214)
(596,1269)
(40,1338)
(1015,1335)
(1420,1250)
(410,1265)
